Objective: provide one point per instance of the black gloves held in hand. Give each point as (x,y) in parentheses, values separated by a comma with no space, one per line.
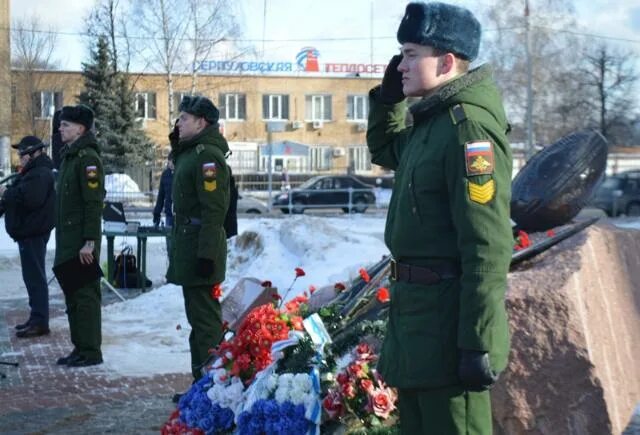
(204,267)
(391,89)
(156,220)
(474,370)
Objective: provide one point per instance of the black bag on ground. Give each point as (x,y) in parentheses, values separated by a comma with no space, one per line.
(125,274)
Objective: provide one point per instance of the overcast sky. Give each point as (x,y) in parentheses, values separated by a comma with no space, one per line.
(312,22)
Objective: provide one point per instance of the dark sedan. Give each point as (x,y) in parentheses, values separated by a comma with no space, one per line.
(619,194)
(328,191)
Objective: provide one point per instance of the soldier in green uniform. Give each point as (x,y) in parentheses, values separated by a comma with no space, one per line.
(448,225)
(200,201)
(80,195)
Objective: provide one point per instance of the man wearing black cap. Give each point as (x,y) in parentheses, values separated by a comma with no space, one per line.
(200,202)
(28,206)
(80,190)
(448,225)
(164,203)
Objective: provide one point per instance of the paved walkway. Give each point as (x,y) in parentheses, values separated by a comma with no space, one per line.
(40,397)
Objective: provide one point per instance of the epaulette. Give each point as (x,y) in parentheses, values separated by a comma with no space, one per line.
(457,114)
(199,148)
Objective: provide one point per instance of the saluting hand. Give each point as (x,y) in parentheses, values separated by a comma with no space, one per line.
(86,252)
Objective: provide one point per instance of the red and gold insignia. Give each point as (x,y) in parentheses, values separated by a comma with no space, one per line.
(92,172)
(209,171)
(92,176)
(479,158)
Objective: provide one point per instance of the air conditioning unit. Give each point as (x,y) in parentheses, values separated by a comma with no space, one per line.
(297,124)
(339,152)
(361,126)
(317,125)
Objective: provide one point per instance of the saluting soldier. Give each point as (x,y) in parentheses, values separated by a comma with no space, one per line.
(80,194)
(448,224)
(200,201)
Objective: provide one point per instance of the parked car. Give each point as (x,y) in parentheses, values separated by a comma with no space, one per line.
(619,194)
(249,205)
(328,191)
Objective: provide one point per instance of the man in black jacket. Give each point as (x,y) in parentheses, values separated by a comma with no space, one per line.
(28,206)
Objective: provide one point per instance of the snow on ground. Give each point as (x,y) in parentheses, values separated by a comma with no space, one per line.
(149,334)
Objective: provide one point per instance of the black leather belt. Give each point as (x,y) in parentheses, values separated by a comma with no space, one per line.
(186,220)
(423,275)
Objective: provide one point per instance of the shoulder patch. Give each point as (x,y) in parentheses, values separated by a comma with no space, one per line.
(92,176)
(457,114)
(482,193)
(199,148)
(479,158)
(209,172)
(91,171)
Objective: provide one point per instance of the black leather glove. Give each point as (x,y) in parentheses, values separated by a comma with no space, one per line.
(204,267)
(391,88)
(474,370)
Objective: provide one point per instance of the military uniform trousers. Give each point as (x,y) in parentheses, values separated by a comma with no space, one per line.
(444,411)
(205,317)
(85,320)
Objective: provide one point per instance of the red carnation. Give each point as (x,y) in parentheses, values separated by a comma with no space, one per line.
(383,295)
(216,292)
(312,289)
(364,275)
(299,272)
(339,287)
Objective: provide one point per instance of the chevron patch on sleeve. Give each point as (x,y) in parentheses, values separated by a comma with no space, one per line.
(482,193)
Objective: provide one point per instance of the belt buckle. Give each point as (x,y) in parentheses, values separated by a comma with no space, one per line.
(394,270)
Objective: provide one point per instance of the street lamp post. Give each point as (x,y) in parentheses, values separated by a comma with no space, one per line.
(272,127)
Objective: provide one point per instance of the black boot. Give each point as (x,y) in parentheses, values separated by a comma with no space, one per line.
(32,331)
(83,361)
(65,359)
(24,325)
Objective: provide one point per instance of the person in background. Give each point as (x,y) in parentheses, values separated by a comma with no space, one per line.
(164,201)
(448,226)
(231,219)
(28,205)
(198,255)
(80,195)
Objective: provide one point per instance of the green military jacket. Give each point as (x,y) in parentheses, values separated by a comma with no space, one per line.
(79,201)
(200,201)
(450,203)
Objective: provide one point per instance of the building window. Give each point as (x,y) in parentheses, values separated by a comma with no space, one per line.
(318,107)
(146,105)
(320,158)
(359,158)
(233,107)
(45,103)
(357,107)
(275,106)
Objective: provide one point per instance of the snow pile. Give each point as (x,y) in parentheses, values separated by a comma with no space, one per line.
(121,187)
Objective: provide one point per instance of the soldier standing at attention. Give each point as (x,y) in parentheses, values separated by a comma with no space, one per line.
(80,194)
(448,224)
(200,201)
